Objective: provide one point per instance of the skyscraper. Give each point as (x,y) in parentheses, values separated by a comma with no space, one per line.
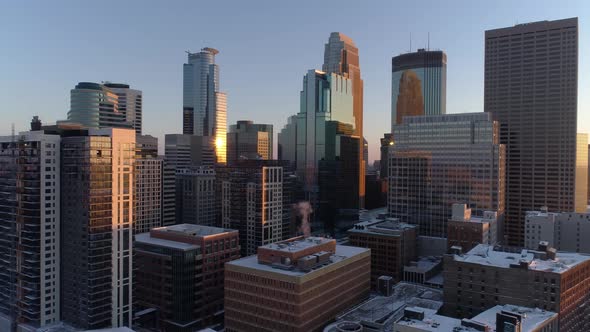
(419,84)
(95,106)
(29,230)
(97,182)
(287,141)
(531,88)
(130,104)
(439,160)
(248,140)
(195,196)
(148,184)
(204,106)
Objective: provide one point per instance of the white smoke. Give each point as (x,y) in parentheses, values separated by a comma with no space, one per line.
(304,210)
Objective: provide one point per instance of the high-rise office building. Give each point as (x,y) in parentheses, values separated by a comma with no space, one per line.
(419,84)
(130,104)
(255,197)
(95,106)
(148,184)
(297,285)
(531,89)
(180,273)
(183,151)
(195,196)
(489,275)
(565,231)
(248,140)
(168,193)
(97,186)
(204,106)
(287,141)
(29,230)
(440,160)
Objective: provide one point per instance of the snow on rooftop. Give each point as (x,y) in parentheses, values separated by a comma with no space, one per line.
(297,245)
(194,230)
(147,239)
(534,317)
(424,264)
(342,253)
(433,322)
(484,254)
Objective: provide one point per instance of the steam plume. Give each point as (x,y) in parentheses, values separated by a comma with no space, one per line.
(304,210)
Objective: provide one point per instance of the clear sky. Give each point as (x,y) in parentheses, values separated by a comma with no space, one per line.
(266,48)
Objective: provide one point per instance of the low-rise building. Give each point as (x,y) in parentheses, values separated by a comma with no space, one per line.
(180,273)
(425,270)
(392,244)
(467,231)
(488,276)
(566,231)
(296,285)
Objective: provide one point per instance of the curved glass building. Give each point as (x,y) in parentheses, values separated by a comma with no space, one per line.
(95,106)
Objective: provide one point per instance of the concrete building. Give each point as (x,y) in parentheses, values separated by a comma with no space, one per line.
(249,140)
(467,231)
(418,85)
(195,196)
(563,231)
(180,273)
(441,160)
(94,105)
(531,89)
(255,197)
(30,212)
(204,109)
(97,186)
(379,313)
(488,276)
(129,104)
(392,244)
(501,318)
(426,270)
(148,184)
(183,151)
(297,285)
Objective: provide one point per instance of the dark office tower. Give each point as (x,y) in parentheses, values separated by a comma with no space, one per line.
(36,124)
(531,89)
(94,105)
(130,104)
(248,140)
(29,231)
(168,193)
(419,84)
(204,106)
(184,151)
(195,196)
(180,273)
(148,184)
(253,199)
(341,57)
(287,141)
(440,160)
(97,182)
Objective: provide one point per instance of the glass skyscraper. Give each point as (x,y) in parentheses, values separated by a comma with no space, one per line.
(129,104)
(94,105)
(439,160)
(204,106)
(419,84)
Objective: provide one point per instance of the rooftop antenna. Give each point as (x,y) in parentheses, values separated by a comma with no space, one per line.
(428,48)
(13,135)
(410,42)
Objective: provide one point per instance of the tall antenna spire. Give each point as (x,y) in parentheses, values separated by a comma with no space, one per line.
(410,42)
(428,48)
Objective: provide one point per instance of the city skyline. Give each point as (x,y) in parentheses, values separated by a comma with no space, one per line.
(247,58)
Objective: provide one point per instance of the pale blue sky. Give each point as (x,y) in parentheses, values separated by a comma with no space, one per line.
(266,48)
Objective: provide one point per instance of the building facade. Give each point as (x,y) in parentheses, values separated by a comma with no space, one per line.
(392,244)
(204,106)
(195,196)
(418,84)
(531,89)
(296,285)
(148,184)
(467,231)
(248,140)
(29,230)
(181,274)
(561,230)
(437,161)
(94,105)
(488,276)
(129,104)
(97,184)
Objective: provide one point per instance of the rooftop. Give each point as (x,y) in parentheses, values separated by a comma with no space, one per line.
(192,230)
(432,321)
(148,239)
(424,264)
(298,244)
(385,310)
(484,254)
(251,262)
(534,317)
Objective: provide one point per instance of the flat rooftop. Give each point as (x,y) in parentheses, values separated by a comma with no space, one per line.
(192,230)
(387,226)
(298,244)
(433,322)
(484,254)
(251,262)
(423,264)
(148,239)
(534,317)
(385,310)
